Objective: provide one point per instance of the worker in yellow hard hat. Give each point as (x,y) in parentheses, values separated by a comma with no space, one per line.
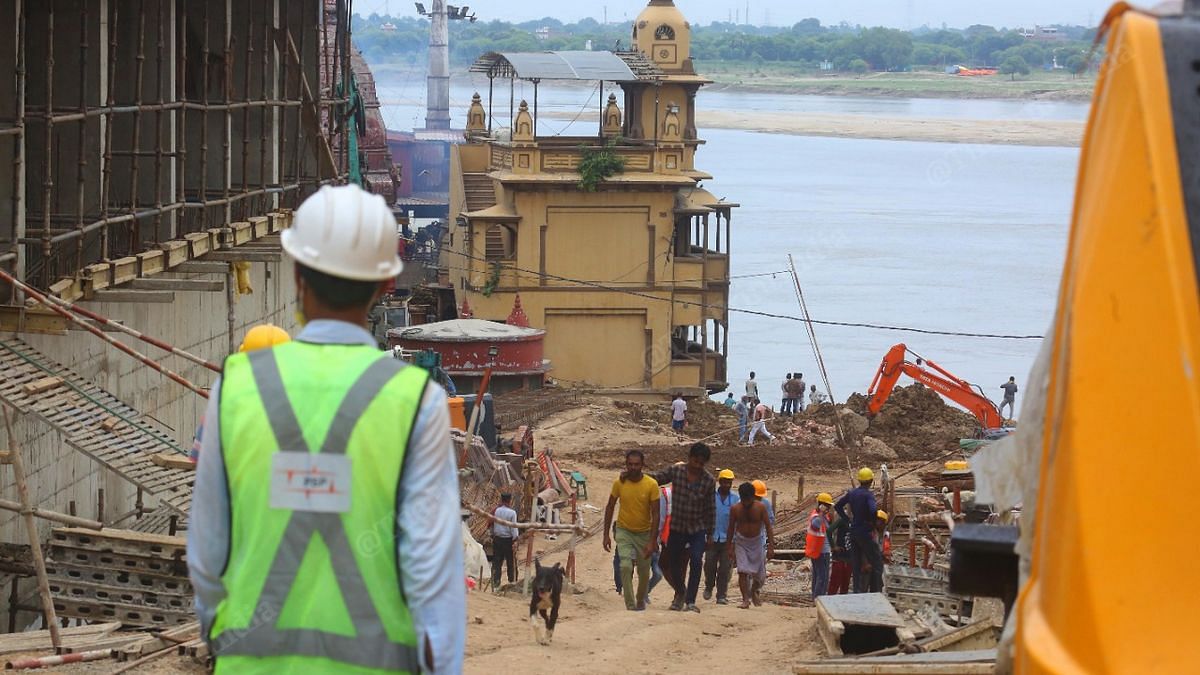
(717,565)
(263,336)
(865,554)
(816,544)
(260,337)
(760,493)
(883,540)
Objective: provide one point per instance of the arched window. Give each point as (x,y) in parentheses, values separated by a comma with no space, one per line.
(664,32)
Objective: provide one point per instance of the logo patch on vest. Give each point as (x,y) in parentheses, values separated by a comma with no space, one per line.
(302,481)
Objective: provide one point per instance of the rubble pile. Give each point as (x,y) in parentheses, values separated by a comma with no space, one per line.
(916,422)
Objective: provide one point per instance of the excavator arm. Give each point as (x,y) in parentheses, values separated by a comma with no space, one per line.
(895,363)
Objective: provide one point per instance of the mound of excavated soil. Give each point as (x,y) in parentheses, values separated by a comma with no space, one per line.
(916,422)
(704,416)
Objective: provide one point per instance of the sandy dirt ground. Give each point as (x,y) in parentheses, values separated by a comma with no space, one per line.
(596,634)
(1059,133)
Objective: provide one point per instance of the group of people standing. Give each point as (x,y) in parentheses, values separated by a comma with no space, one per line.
(848,552)
(753,414)
(681,524)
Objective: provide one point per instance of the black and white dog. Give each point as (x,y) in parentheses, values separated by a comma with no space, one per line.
(547,593)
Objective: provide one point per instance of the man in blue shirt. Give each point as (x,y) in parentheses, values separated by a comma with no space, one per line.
(865,555)
(717,563)
(742,408)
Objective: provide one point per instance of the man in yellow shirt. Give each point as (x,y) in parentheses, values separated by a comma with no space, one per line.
(636,524)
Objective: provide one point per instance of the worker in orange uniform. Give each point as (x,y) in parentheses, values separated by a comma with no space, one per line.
(262,336)
(816,544)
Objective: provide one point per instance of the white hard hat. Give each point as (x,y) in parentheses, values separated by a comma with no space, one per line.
(345,232)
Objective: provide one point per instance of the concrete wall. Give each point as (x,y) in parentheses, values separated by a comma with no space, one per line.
(195,322)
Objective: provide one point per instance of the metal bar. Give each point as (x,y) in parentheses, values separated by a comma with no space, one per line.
(48,180)
(18,175)
(246,111)
(207,55)
(227,135)
(39,297)
(81,139)
(161,30)
(55,516)
(107,121)
(135,230)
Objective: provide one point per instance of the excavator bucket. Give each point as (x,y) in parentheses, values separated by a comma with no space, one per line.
(1112,583)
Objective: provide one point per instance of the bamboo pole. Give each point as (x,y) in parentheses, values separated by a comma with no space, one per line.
(35,544)
(524,526)
(42,662)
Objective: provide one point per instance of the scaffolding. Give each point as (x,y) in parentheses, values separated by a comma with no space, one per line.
(129,123)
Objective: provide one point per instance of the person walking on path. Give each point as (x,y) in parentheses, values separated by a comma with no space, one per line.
(660,540)
(785,406)
(798,404)
(743,414)
(839,541)
(760,494)
(636,524)
(327,439)
(678,413)
(503,537)
(716,557)
(816,544)
(865,555)
(762,413)
(1010,397)
(748,524)
(752,386)
(693,516)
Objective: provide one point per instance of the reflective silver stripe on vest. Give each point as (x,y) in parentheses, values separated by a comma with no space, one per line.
(370,647)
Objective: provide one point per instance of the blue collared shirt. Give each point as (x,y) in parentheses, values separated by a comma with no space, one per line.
(723,505)
(862,508)
(429,539)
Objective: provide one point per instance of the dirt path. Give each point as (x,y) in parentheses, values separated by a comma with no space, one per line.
(596,634)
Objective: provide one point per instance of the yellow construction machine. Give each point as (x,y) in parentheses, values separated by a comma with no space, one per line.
(1109,444)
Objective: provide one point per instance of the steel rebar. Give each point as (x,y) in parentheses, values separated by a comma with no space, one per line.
(48,179)
(147,361)
(135,229)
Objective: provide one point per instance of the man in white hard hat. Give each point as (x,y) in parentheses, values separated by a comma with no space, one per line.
(324,532)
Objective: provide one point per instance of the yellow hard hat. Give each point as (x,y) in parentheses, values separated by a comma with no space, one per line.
(726,473)
(882,515)
(263,336)
(865,474)
(760,488)
(825,498)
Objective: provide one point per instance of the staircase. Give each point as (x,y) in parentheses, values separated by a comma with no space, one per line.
(94,422)
(479,190)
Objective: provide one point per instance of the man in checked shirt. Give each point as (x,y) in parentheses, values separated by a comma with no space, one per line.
(693,516)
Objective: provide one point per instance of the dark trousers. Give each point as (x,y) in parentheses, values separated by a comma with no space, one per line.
(839,578)
(786,407)
(693,543)
(866,550)
(717,568)
(502,552)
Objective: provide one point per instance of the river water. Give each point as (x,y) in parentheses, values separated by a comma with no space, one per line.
(940,236)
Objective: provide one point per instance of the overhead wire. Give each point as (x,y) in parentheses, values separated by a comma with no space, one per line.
(754,312)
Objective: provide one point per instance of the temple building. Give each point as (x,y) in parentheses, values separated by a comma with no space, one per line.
(616,250)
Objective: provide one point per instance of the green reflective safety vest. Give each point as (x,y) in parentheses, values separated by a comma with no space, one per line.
(312,578)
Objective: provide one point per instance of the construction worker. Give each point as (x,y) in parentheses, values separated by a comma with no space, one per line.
(816,544)
(260,337)
(326,455)
(865,555)
(717,566)
(760,494)
(839,570)
(883,540)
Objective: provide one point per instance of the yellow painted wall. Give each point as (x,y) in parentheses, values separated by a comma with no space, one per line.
(597,349)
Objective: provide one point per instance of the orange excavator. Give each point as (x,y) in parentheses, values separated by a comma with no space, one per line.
(937,378)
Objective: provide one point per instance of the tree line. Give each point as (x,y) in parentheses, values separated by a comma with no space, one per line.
(807,44)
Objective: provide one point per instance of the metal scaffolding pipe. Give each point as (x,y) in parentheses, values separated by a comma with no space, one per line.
(48,180)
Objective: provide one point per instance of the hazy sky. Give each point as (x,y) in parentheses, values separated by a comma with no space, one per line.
(896,13)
